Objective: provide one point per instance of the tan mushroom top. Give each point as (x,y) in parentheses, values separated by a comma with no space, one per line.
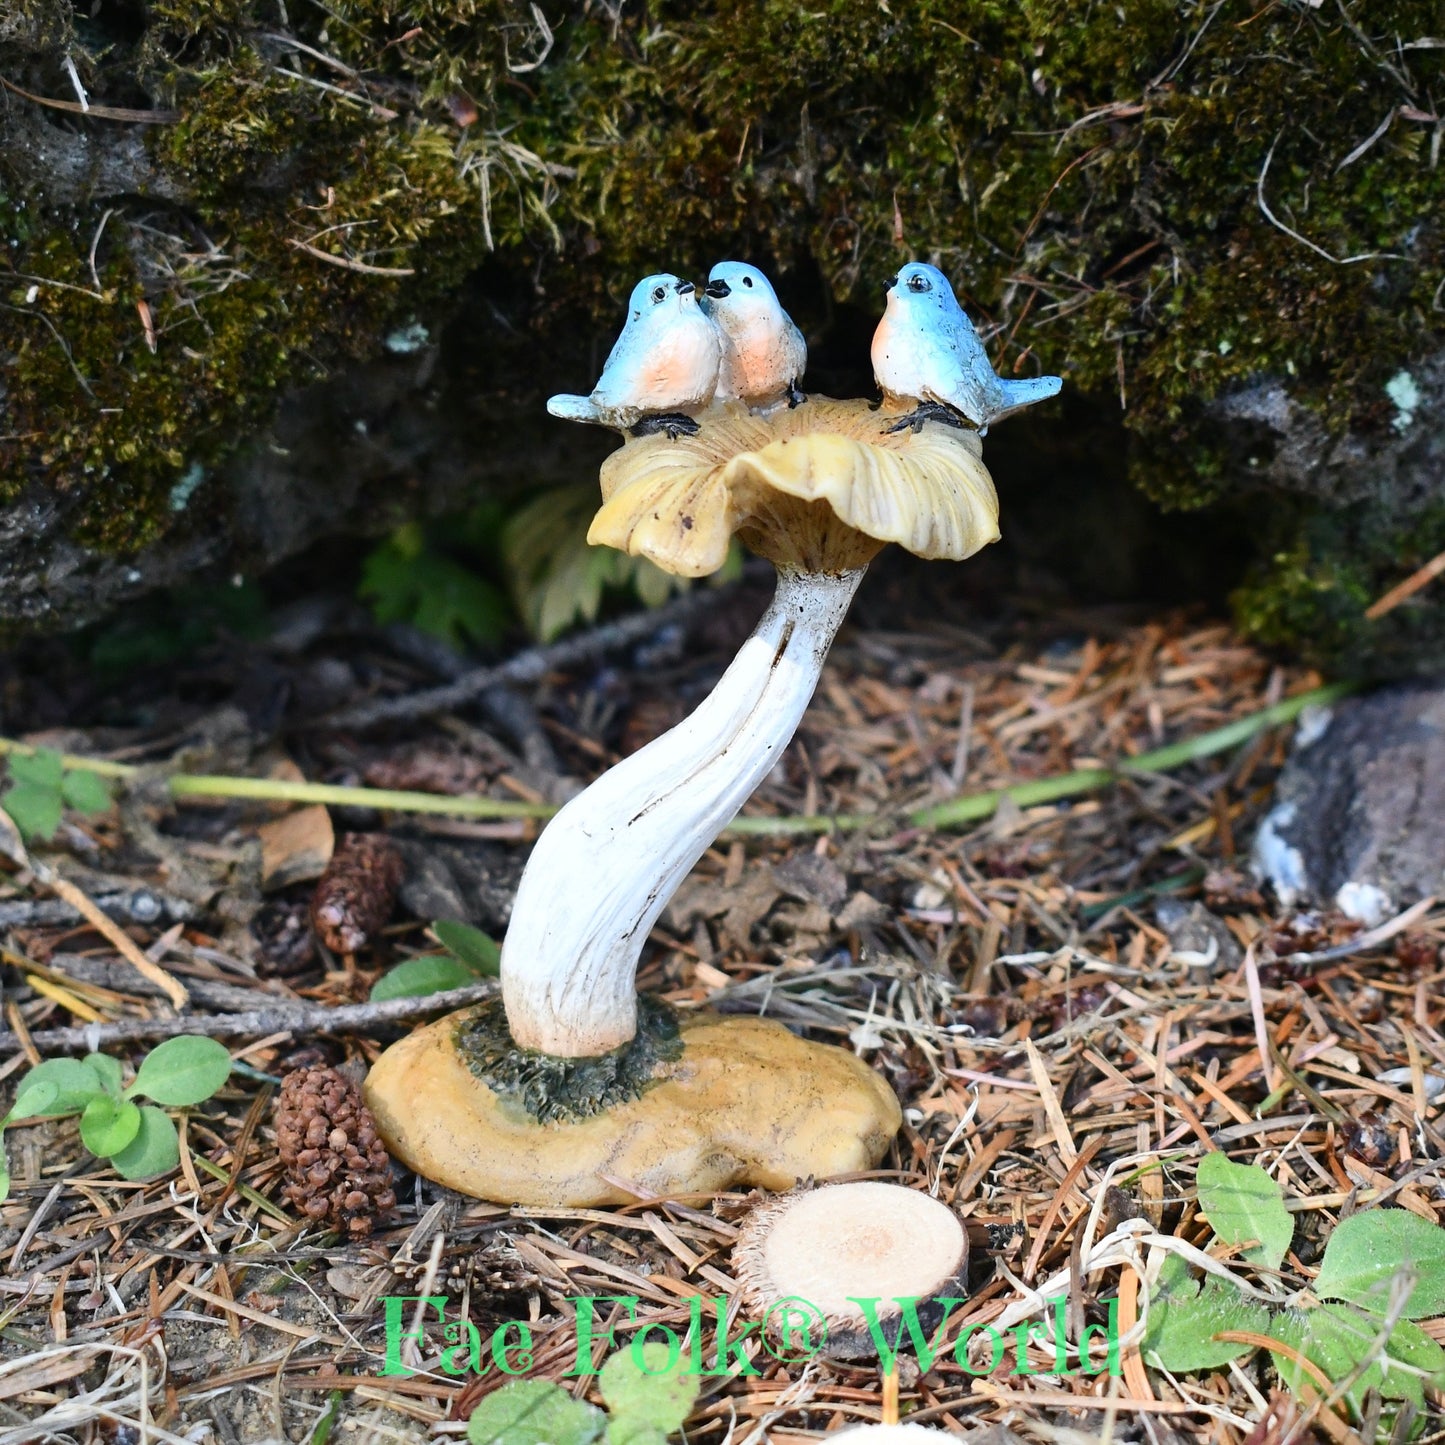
(820,488)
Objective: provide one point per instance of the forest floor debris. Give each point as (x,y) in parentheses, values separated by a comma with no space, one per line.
(1076,1003)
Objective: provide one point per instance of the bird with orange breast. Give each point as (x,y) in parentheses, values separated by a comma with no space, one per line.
(926,350)
(763,352)
(662,368)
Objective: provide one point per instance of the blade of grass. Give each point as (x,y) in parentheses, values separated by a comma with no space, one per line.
(971,808)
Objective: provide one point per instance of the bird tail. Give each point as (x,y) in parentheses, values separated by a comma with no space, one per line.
(1019,394)
(572,408)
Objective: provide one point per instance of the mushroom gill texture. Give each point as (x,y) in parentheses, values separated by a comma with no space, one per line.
(817,488)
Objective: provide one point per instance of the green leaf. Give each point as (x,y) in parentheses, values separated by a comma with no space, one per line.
(1182,1326)
(404,581)
(86,792)
(1338,1337)
(56,1087)
(527,1412)
(417,977)
(108,1125)
(182,1071)
(156,1148)
(481,954)
(43,768)
(4,1168)
(646,1396)
(557,577)
(321,1433)
(1368,1249)
(1243,1203)
(35,810)
(107,1070)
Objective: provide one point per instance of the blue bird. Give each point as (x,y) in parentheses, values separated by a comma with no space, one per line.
(926,350)
(763,352)
(663,365)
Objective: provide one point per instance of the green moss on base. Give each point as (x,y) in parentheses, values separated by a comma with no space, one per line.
(552,1088)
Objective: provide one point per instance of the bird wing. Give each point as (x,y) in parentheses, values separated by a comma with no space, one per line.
(797,350)
(618,384)
(961,373)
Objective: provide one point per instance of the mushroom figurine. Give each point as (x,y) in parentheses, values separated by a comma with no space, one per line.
(570,1090)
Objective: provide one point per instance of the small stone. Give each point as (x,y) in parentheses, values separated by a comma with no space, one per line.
(1359,815)
(1197,938)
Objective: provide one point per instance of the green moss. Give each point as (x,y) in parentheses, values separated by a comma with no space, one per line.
(552,1088)
(1311,593)
(1090,175)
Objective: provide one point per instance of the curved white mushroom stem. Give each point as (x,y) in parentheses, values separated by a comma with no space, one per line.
(608,863)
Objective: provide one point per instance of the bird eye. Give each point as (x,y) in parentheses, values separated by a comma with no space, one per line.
(747,281)
(659,293)
(919,283)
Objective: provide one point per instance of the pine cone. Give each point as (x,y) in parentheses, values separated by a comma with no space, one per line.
(282,929)
(355,895)
(337,1169)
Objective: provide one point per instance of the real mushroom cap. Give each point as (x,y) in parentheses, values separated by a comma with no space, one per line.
(820,487)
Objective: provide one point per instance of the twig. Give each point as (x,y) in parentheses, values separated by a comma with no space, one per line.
(524,667)
(959,770)
(1305,240)
(98,112)
(112,933)
(284,1018)
(346,263)
(1261,1025)
(1363,941)
(1402,591)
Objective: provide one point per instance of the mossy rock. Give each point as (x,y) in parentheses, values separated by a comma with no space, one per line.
(1183,208)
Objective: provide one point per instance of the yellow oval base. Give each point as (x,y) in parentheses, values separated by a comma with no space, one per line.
(748,1103)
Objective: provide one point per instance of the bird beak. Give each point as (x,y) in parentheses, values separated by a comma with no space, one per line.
(892,282)
(718,289)
(684,288)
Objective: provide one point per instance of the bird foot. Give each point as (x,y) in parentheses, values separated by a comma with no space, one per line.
(674,423)
(795,397)
(926,411)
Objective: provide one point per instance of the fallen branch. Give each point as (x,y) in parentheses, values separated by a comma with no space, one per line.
(526,666)
(351,1018)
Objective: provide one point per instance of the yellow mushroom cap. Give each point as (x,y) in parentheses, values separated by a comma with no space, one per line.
(820,487)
